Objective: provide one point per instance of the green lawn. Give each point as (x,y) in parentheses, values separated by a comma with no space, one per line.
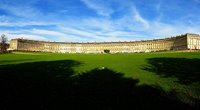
(129,64)
(172,71)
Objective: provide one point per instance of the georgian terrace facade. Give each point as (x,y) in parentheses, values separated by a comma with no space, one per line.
(182,42)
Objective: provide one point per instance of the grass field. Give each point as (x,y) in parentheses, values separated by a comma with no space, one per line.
(176,72)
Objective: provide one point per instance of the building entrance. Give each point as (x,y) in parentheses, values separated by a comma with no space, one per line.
(106,51)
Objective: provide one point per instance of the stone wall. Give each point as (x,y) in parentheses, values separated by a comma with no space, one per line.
(182,42)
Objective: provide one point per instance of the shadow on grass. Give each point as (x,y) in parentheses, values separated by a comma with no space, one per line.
(186,70)
(53,86)
(3,62)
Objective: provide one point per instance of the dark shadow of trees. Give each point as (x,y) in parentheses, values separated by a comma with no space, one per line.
(35,85)
(3,62)
(186,70)
(53,85)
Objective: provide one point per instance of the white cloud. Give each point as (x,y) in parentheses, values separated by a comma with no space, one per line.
(24,23)
(159,29)
(124,29)
(22,11)
(3,18)
(46,35)
(131,25)
(85,33)
(47,32)
(98,24)
(78,32)
(20,8)
(27,36)
(99,6)
(139,18)
(10,36)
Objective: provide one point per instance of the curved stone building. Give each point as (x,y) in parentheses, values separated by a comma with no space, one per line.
(182,42)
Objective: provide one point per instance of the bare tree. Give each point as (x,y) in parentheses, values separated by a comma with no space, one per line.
(3,43)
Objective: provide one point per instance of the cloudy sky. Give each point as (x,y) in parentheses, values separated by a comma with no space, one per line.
(98,20)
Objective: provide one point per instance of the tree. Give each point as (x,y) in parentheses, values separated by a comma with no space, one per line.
(106,51)
(3,43)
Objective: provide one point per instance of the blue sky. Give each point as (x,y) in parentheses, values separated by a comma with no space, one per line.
(98,20)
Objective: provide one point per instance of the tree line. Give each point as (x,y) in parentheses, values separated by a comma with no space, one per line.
(3,44)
